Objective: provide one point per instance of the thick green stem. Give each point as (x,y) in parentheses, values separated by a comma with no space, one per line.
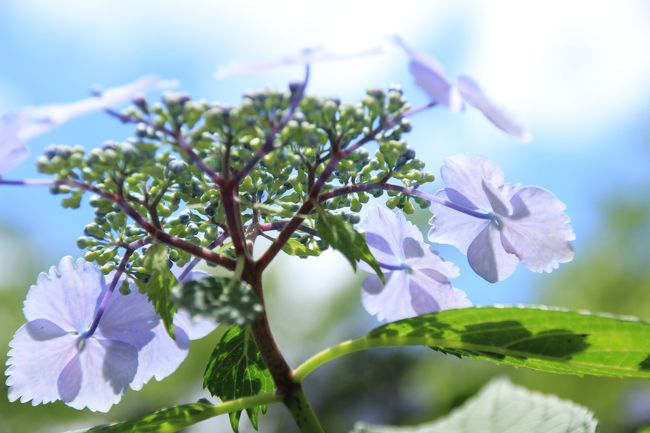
(286,384)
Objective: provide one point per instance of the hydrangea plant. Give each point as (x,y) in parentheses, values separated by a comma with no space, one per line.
(201,182)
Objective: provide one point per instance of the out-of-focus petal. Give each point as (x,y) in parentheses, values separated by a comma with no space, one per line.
(488,258)
(161,356)
(389,302)
(538,232)
(106,369)
(474,96)
(448,226)
(12,148)
(431,77)
(306,56)
(465,174)
(67,295)
(38,353)
(57,114)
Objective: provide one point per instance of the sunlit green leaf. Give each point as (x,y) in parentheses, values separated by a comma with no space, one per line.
(503,407)
(176,418)
(158,286)
(340,234)
(293,247)
(220,298)
(545,339)
(236,370)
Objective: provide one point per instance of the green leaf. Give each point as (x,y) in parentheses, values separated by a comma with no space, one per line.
(502,406)
(294,247)
(158,287)
(340,234)
(236,370)
(538,338)
(223,299)
(176,418)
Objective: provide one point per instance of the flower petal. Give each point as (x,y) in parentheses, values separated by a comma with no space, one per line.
(12,148)
(68,295)
(474,96)
(498,201)
(388,302)
(105,369)
(195,329)
(431,291)
(448,226)
(465,174)
(306,56)
(38,353)
(385,232)
(538,232)
(129,318)
(488,258)
(431,77)
(57,114)
(161,356)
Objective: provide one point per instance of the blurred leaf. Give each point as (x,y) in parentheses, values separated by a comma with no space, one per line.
(500,407)
(158,287)
(222,299)
(293,247)
(340,234)
(176,418)
(544,339)
(236,370)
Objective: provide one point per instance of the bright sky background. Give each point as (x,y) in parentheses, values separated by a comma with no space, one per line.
(577,72)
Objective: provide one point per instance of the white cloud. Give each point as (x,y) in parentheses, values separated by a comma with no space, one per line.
(572,66)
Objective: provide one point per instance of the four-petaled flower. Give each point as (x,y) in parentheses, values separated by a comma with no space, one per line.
(16,128)
(86,345)
(54,357)
(417,279)
(498,224)
(431,77)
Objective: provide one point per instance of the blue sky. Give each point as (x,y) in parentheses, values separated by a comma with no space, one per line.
(578,73)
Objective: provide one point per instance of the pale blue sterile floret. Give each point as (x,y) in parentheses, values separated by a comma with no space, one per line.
(520,223)
(16,128)
(417,279)
(55,357)
(175,350)
(431,77)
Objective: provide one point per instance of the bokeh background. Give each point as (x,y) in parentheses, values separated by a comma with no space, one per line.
(577,72)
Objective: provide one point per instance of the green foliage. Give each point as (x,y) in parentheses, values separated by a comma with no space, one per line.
(340,234)
(294,247)
(236,370)
(537,338)
(159,284)
(226,300)
(502,406)
(176,418)
(542,339)
(156,179)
